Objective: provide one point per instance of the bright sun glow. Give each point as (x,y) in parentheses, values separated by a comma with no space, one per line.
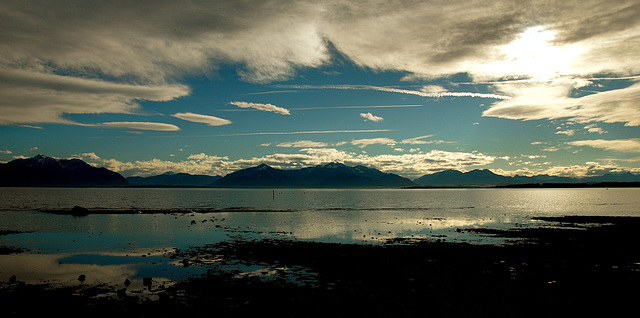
(534,54)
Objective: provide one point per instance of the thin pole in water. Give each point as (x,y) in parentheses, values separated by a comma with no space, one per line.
(274,194)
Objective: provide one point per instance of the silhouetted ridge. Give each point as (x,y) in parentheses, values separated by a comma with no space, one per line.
(330,175)
(173,179)
(484,177)
(46,171)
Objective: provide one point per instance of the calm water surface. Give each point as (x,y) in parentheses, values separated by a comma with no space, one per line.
(113,247)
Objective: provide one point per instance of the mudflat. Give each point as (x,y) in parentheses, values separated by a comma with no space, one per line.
(579,266)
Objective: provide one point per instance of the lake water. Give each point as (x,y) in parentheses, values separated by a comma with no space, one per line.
(113,247)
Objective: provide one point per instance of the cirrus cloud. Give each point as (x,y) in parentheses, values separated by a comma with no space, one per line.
(262,107)
(205,119)
(136,125)
(626,145)
(303,144)
(362,143)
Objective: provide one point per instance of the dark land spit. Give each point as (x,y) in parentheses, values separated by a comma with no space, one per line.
(574,266)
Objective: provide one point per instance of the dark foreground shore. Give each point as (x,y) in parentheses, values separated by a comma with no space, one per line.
(583,266)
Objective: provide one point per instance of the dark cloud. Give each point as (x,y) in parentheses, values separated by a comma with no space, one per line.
(142,46)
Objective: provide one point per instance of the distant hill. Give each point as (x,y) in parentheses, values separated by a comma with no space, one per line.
(457,178)
(483,178)
(173,179)
(50,172)
(332,175)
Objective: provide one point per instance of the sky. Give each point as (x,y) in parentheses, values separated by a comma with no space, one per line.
(406,87)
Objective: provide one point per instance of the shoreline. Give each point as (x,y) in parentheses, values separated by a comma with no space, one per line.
(552,185)
(580,265)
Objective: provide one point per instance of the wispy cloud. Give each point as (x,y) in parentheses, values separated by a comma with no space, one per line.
(262,107)
(303,144)
(371,117)
(362,143)
(304,132)
(363,106)
(417,140)
(391,142)
(626,145)
(426,93)
(136,125)
(552,101)
(205,119)
(35,97)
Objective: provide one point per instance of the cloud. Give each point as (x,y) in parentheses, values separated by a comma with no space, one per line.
(304,132)
(303,144)
(552,101)
(36,97)
(371,117)
(568,132)
(594,129)
(588,170)
(434,89)
(205,119)
(411,165)
(417,140)
(362,143)
(414,165)
(362,106)
(6,152)
(201,164)
(625,145)
(87,63)
(136,125)
(398,90)
(263,107)
(270,41)
(488,39)
(89,155)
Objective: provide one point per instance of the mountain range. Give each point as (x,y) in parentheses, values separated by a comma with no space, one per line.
(331,175)
(173,179)
(50,172)
(486,178)
(46,171)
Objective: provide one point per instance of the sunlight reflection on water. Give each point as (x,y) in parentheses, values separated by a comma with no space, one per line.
(114,247)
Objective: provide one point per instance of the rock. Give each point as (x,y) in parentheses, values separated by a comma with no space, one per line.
(13,279)
(82,278)
(147,281)
(79,211)
(127,282)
